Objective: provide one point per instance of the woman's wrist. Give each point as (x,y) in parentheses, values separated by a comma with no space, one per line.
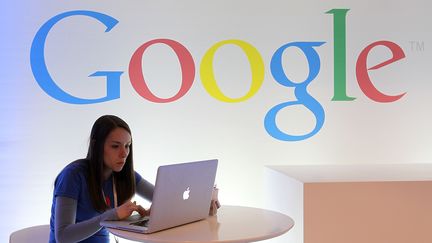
(110,214)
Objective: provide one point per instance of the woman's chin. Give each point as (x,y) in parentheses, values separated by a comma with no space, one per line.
(118,168)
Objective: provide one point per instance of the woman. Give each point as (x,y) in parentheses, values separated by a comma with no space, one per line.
(98,187)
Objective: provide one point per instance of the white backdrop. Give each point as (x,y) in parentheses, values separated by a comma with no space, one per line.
(40,135)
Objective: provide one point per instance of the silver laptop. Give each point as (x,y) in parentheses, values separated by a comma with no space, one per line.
(182,195)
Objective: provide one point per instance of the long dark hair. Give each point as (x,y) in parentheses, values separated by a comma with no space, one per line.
(124,180)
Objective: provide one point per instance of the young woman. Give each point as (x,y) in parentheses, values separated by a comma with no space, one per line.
(98,187)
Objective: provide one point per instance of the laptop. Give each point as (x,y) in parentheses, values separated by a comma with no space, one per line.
(182,195)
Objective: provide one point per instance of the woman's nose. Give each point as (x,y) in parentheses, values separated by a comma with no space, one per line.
(123,153)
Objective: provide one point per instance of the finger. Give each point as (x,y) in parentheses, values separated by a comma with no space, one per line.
(141,210)
(133,207)
(218,205)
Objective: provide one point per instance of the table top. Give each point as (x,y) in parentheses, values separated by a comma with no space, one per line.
(231,224)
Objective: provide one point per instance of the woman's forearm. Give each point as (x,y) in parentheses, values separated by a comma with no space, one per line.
(66,230)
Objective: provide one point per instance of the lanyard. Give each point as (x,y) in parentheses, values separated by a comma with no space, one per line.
(114,192)
(115,200)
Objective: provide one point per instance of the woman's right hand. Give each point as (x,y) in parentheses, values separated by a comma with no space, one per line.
(126,209)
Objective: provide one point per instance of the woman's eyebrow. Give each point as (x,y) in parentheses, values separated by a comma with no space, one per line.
(118,142)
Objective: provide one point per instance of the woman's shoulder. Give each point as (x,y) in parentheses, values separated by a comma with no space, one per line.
(76,167)
(72,174)
(71,179)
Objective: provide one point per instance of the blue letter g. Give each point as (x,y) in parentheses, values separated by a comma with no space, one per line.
(40,71)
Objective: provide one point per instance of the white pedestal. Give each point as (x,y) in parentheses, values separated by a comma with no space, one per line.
(352,203)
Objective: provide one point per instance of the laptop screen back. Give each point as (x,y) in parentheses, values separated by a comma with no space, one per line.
(182,194)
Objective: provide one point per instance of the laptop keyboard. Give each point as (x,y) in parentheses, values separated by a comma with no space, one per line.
(142,223)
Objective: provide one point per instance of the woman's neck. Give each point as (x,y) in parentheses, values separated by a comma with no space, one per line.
(107,172)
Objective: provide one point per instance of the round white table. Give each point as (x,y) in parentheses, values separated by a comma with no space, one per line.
(231,224)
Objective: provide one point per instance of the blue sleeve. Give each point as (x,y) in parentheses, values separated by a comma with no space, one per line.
(68,184)
(138,178)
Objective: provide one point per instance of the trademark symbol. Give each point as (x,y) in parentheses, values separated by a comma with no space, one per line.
(417,46)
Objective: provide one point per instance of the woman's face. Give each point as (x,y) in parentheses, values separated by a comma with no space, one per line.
(116,149)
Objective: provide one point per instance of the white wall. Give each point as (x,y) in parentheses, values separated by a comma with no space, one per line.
(39,135)
(285,195)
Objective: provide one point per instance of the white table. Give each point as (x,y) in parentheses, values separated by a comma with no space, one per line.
(231,224)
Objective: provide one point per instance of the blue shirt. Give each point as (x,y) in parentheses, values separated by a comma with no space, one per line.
(72,183)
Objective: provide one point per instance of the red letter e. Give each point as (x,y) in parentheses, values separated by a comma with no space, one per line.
(363,78)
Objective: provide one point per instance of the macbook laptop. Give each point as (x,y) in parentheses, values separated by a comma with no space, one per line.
(182,195)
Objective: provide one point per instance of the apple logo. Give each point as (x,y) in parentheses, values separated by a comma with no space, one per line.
(186,194)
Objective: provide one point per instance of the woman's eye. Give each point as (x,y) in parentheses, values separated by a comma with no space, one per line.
(114,146)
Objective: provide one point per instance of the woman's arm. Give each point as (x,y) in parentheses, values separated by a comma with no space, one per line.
(66,230)
(145,189)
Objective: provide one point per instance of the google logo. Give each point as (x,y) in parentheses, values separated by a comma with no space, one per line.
(187,65)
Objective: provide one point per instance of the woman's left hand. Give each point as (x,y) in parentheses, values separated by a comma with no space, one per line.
(214,204)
